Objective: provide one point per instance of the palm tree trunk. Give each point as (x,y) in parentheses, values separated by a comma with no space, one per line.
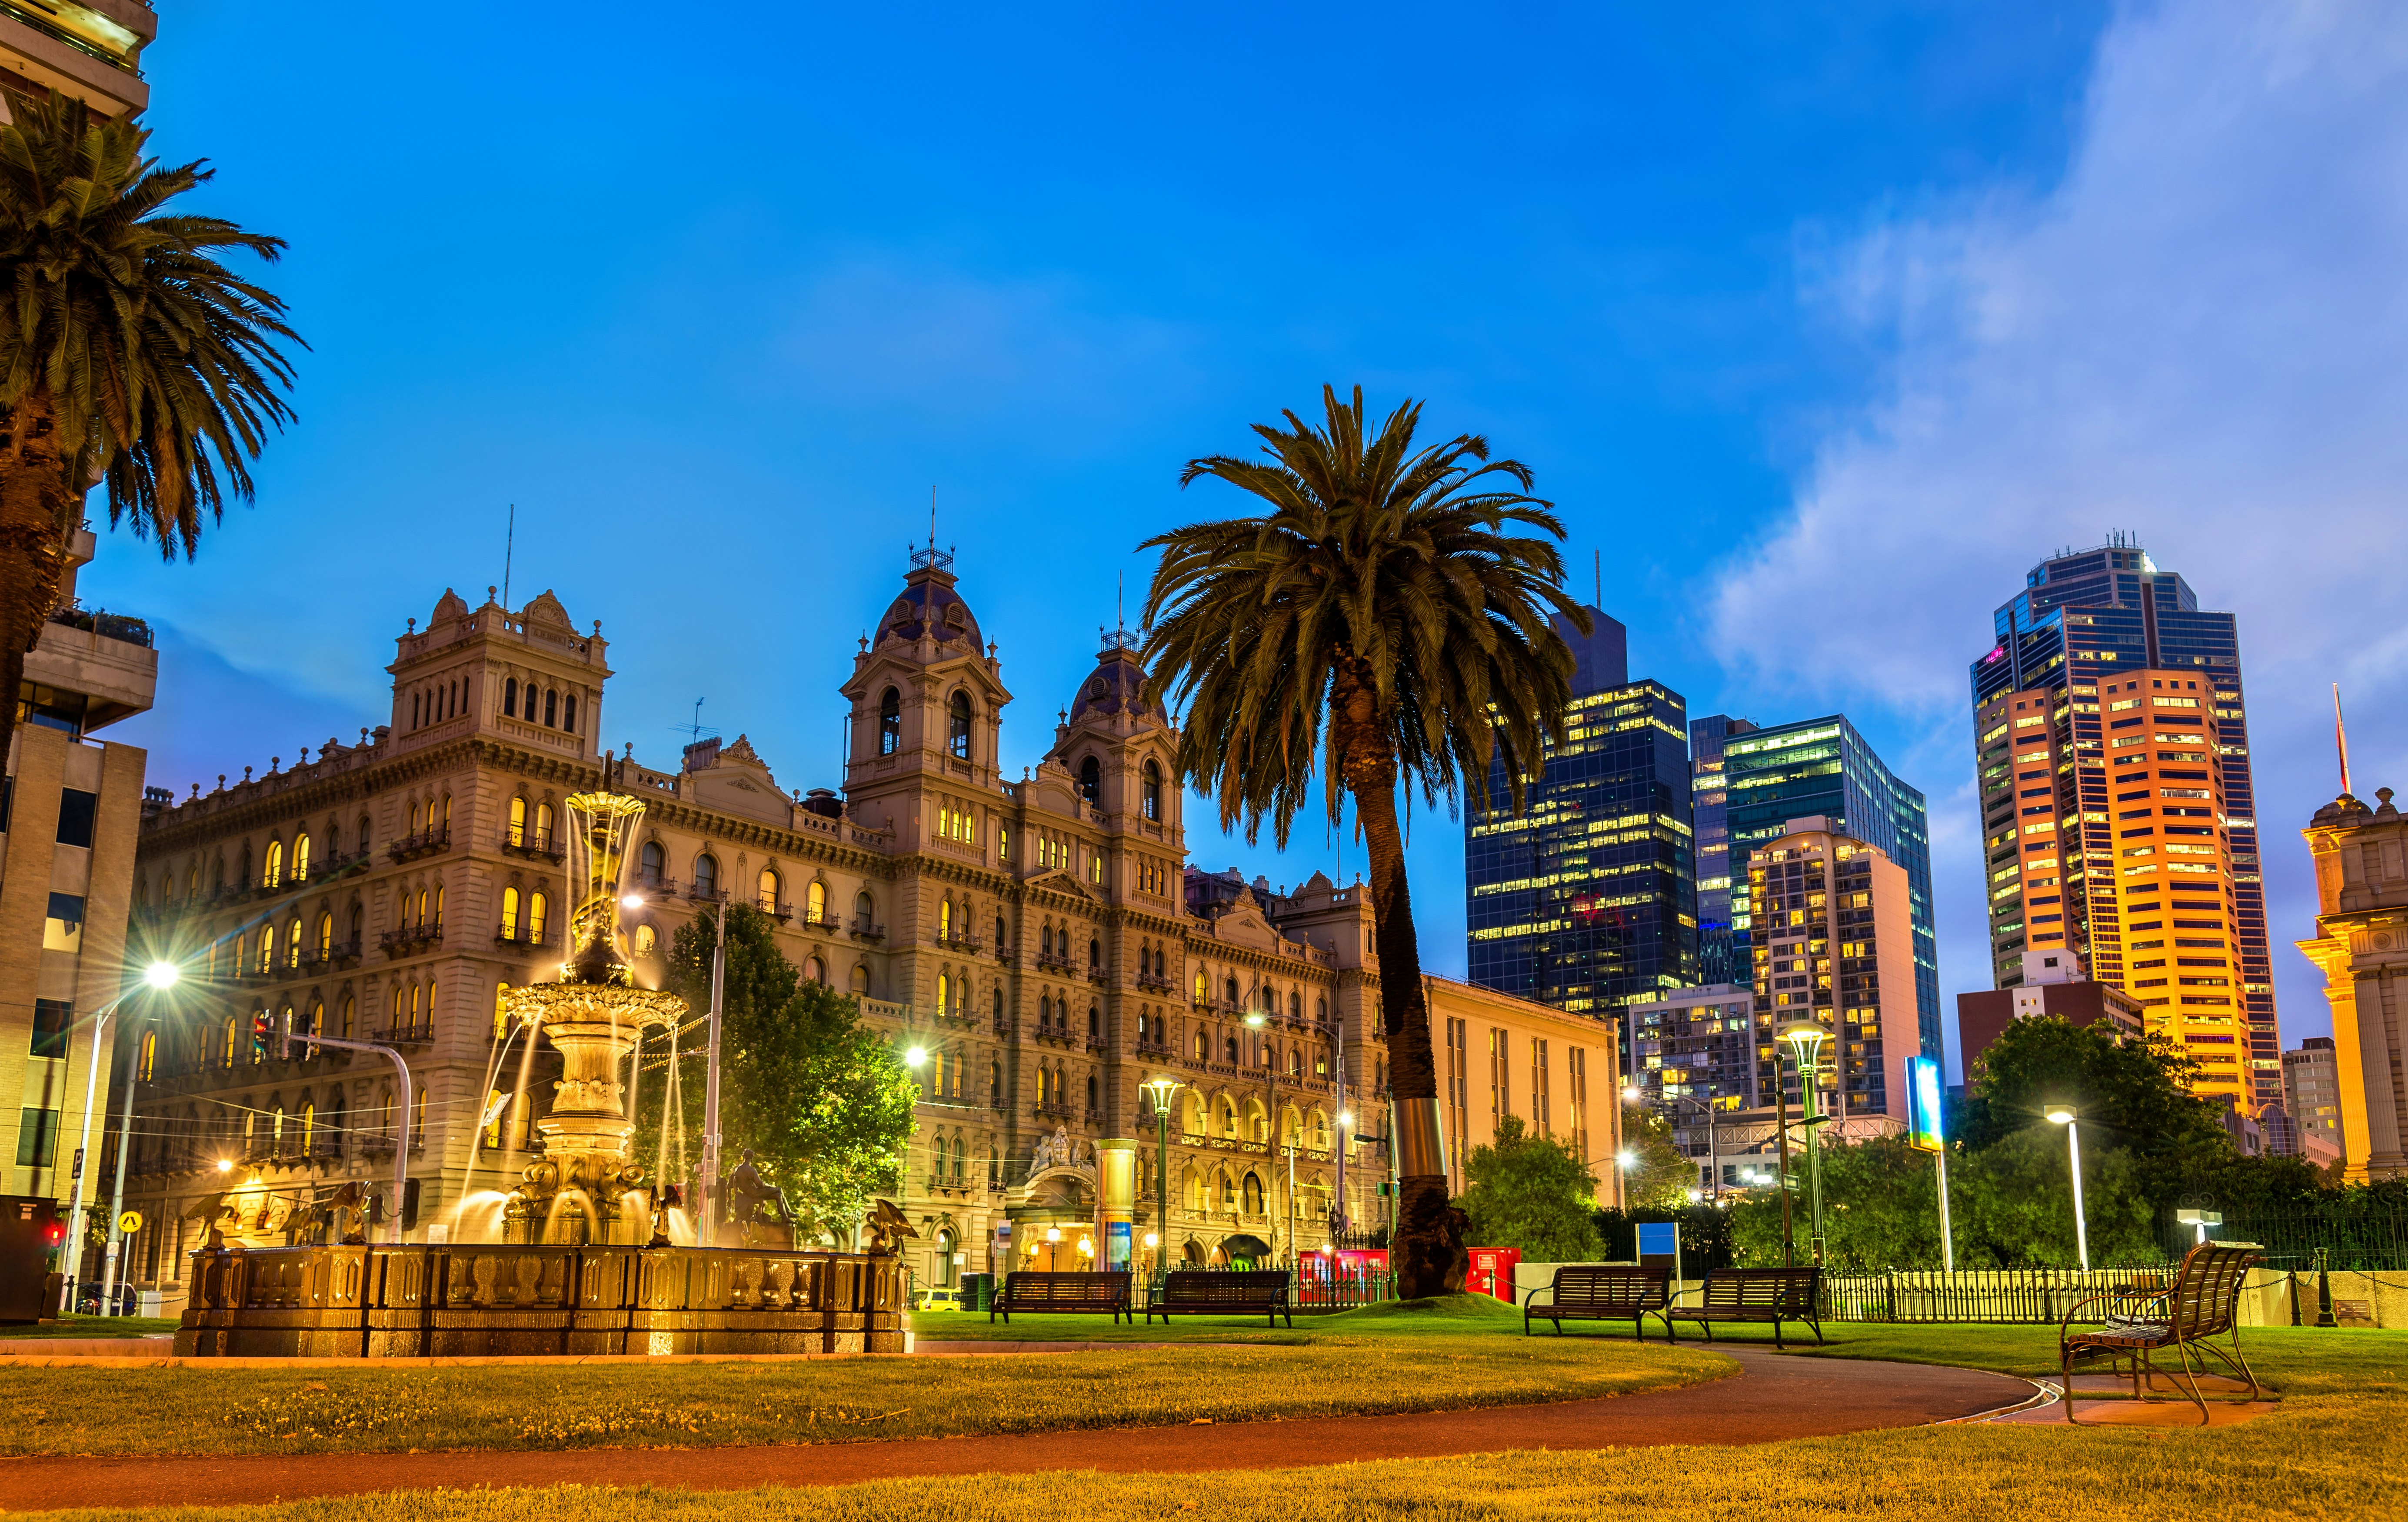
(32,546)
(1427,1252)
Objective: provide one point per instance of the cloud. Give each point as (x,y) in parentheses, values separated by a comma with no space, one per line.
(2195,336)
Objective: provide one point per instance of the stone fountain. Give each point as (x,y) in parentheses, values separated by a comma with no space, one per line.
(585,1266)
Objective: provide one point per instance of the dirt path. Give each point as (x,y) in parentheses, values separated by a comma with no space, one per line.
(1772,1397)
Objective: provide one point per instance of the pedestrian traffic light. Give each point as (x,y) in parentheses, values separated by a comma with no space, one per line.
(410,1204)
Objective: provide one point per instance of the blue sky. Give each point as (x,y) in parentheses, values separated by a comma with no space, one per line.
(1886,298)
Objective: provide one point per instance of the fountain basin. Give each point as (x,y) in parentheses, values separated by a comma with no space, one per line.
(481,1300)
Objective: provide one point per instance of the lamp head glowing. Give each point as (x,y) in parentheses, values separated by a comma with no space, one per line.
(162,974)
(2062,1115)
(1346,1117)
(225,1165)
(1152,1241)
(917,1056)
(1805,1040)
(1161,1088)
(1628,1159)
(1053,1233)
(1255,1019)
(1630,1093)
(633,900)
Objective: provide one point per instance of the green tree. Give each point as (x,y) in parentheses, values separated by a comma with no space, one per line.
(128,355)
(823,1103)
(1531,1192)
(1382,619)
(1658,1174)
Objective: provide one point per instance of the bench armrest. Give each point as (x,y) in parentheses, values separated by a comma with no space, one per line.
(2122,1294)
(1535,1290)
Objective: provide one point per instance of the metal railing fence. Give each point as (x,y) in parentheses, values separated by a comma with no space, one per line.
(2006,1296)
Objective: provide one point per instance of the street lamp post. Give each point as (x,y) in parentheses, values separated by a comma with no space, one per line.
(158,976)
(1162,1088)
(1257,1020)
(1805,1040)
(2063,1114)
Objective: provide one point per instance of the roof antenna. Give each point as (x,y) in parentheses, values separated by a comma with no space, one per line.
(2340,740)
(509,547)
(932,519)
(1599,553)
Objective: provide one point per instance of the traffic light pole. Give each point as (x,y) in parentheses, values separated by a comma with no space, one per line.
(401,1130)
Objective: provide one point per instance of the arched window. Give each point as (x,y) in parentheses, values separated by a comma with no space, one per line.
(569,714)
(417,816)
(994,1084)
(1296,1006)
(1095,951)
(438,907)
(944,991)
(1321,1012)
(1229,1046)
(309,1125)
(999,1004)
(367,830)
(1203,1047)
(543,826)
(1092,1095)
(1202,996)
(538,906)
(350,1018)
(866,908)
(815,902)
(518,821)
(1295,1061)
(550,708)
(1229,986)
(292,943)
(1091,780)
(149,1058)
(1158,964)
(225,1056)
(816,970)
(359,923)
(653,862)
(860,977)
(945,920)
(890,721)
(510,914)
(510,698)
(301,858)
(501,1011)
(958,731)
(706,876)
(274,872)
(646,939)
(770,887)
(1095,1024)
(266,954)
(1045,939)
(1153,793)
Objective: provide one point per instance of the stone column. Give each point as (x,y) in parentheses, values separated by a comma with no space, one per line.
(1116,1200)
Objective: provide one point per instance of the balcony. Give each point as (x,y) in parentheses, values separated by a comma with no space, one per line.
(423,843)
(1052,1110)
(960,944)
(411,939)
(776,908)
(1148,984)
(821,923)
(1054,962)
(704,893)
(533,844)
(116,627)
(524,937)
(1096,974)
(1158,1050)
(862,929)
(403,1036)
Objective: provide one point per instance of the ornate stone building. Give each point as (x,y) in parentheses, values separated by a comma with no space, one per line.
(1041,941)
(2361,944)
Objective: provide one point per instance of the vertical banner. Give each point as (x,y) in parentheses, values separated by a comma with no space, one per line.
(1116,1246)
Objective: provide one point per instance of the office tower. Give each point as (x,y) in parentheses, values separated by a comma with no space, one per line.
(1586,899)
(1720,958)
(2112,753)
(68,816)
(1823,766)
(1693,1059)
(2053,986)
(2312,1095)
(2361,944)
(1835,942)
(91,52)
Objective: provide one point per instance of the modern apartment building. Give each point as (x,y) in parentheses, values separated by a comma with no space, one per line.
(1823,768)
(1835,942)
(69,811)
(1586,899)
(2112,747)
(1722,951)
(88,50)
(2361,944)
(2312,1091)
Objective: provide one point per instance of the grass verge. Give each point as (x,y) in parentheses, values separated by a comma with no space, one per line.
(91,1327)
(1381,1365)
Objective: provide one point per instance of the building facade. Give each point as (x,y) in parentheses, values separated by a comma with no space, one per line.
(1835,944)
(1722,940)
(2053,986)
(2312,1097)
(85,50)
(1041,939)
(71,809)
(1823,768)
(2361,946)
(1586,899)
(1694,1061)
(2111,748)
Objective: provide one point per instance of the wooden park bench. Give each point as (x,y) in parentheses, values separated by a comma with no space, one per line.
(1222,1293)
(2203,1302)
(1599,1292)
(1775,1295)
(1056,1293)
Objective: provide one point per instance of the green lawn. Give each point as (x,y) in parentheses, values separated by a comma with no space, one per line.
(1388,1359)
(93,1327)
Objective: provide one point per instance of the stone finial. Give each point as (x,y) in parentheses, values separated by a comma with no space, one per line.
(246,774)
(274,762)
(2382,795)
(221,781)
(196,789)
(304,758)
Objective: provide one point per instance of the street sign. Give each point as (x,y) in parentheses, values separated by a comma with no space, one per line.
(129,1223)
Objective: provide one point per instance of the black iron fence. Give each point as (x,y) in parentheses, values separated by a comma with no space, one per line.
(1313,1283)
(2012,1296)
(2369,1240)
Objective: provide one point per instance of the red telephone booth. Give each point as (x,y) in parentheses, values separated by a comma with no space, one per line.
(1492,1272)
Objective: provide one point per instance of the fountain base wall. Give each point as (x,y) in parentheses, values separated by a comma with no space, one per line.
(480,1301)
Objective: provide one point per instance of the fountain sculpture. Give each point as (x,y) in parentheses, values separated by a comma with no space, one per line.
(584,1264)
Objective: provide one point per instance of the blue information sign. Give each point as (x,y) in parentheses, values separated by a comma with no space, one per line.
(1116,1243)
(1658,1239)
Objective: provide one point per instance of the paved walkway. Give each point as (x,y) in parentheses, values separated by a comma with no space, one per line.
(1773,1398)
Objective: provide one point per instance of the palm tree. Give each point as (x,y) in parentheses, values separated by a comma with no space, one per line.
(128,355)
(1386,587)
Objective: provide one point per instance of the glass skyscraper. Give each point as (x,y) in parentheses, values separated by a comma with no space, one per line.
(2112,747)
(1823,766)
(1720,958)
(1585,901)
